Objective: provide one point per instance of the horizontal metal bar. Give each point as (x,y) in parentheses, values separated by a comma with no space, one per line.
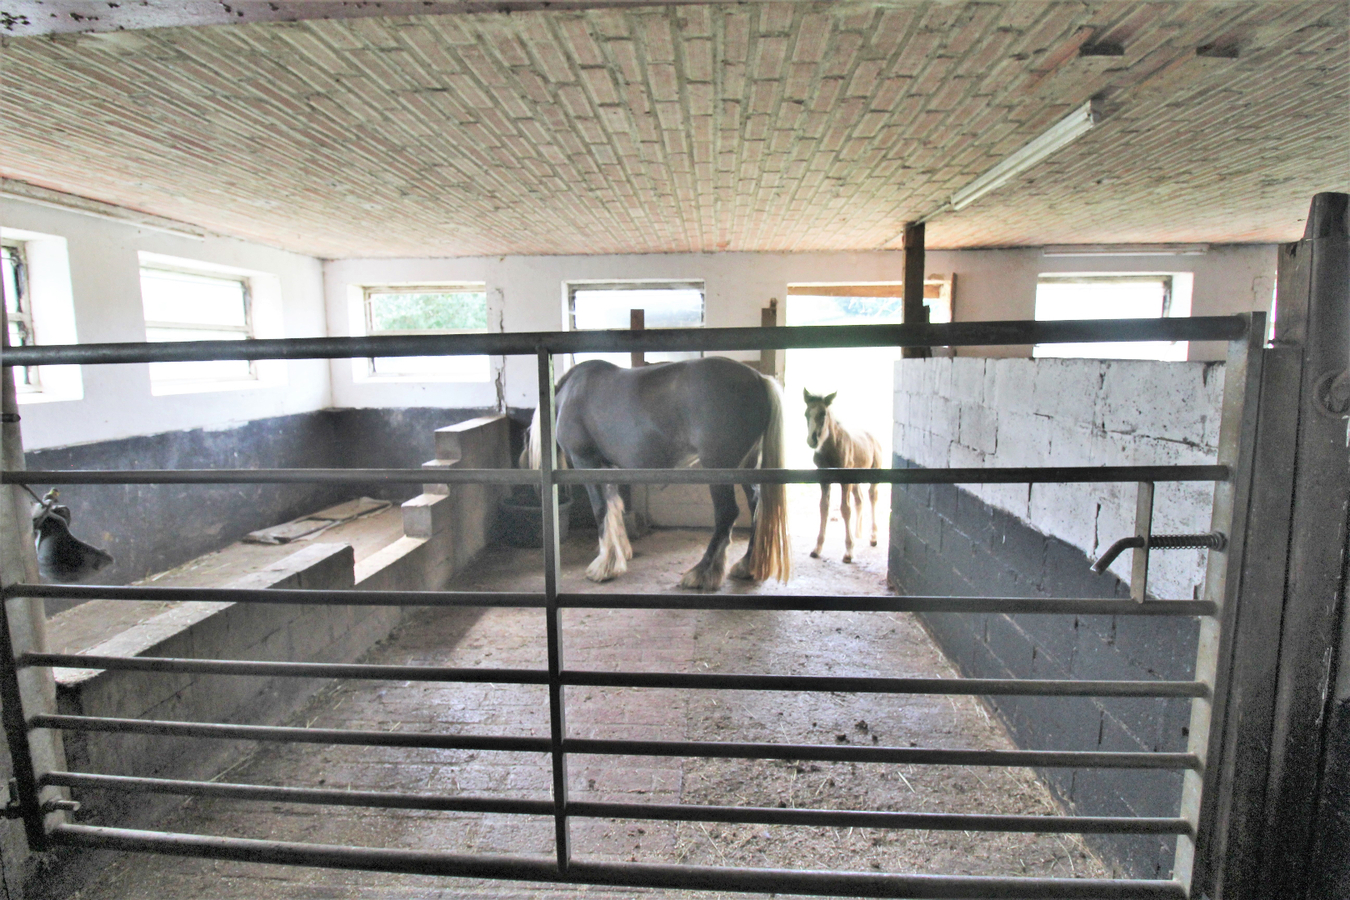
(525,600)
(693,749)
(1000,475)
(298,596)
(643,811)
(343,736)
(431,475)
(872,685)
(992,475)
(285,669)
(872,603)
(322,797)
(838,818)
(922,756)
(423,862)
(667,680)
(955,334)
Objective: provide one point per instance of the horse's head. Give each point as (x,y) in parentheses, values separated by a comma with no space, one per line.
(817,415)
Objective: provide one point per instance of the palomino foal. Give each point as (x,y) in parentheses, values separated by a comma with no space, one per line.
(839,447)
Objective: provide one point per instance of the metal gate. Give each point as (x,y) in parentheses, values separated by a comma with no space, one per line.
(40,795)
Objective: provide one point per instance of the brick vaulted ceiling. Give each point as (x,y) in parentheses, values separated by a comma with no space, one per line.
(677,128)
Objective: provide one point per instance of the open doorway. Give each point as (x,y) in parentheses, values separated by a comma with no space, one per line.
(862,377)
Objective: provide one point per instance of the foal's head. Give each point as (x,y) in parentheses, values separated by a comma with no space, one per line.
(817,413)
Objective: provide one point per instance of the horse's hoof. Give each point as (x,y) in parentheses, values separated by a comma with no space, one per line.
(815,554)
(700,581)
(874,542)
(604,569)
(848,558)
(742,571)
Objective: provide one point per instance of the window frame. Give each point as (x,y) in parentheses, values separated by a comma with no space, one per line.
(31,381)
(247,329)
(1165,351)
(633,284)
(451,287)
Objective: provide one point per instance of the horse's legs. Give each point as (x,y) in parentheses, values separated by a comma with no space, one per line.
(846,510)
(872,496)
(856,490)
(742,568)
(707,574)
(824,516)
(615,551)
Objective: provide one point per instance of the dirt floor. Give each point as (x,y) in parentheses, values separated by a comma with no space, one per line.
(679,641)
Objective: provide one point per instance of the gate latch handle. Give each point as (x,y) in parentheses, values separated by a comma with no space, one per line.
(1214,540)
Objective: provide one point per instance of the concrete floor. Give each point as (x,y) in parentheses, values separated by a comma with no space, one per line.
(679,641)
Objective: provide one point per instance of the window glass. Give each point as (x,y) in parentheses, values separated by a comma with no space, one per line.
(1109,297)
(597,307)
(194,306)
(434,309)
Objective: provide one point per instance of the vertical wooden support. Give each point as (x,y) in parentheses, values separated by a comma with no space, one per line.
(548,463)
(768,359)
(1143,527)
(916,313)
(637,321)
(1256,831)
(1314,593)
(28,691)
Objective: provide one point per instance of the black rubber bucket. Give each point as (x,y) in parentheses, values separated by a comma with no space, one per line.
(521,518)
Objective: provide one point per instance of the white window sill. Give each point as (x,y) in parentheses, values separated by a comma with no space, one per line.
(46,396)
(417,379)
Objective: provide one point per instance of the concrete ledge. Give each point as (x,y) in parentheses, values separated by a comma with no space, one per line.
(209,630)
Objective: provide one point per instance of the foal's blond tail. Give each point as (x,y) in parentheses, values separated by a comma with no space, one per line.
(771,556)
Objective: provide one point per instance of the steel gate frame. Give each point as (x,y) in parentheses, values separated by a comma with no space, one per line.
(40,794)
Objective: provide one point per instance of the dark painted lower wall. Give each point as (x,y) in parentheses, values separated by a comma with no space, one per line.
(946,541)
(150,528)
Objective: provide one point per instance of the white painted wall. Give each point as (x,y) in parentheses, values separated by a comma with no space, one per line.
(527,294)
(104,293)
(971,412)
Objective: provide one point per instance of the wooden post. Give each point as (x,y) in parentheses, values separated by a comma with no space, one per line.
(916,313)
(1268,827)
(768,359)
(637,321)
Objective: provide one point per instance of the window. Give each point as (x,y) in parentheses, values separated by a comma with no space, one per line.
(596,306)
(183,305)
(19,312)
(1123,296)
(35,280)
(427,309)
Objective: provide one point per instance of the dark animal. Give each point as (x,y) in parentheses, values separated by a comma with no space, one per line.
(61,556)
(717,411)
(838,447)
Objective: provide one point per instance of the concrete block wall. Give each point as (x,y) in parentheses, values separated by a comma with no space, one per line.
(1006,540)
(220,631)
(974,412)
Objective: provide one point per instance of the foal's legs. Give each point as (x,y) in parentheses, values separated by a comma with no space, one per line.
(707,574)
(846,511)
(824,516)
(872,496)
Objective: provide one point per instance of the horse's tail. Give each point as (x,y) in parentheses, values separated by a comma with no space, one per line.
(531,456)
(771,557)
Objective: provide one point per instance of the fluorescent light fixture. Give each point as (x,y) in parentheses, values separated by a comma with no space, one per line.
(1069,250)
(1056,137)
